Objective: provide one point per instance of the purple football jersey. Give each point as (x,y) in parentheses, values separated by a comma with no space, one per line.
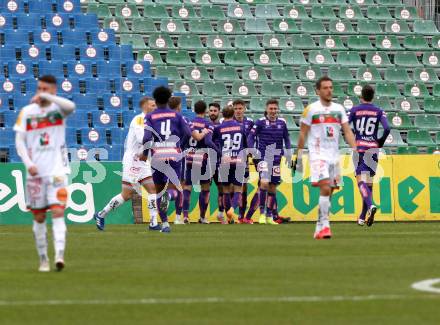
(230,137)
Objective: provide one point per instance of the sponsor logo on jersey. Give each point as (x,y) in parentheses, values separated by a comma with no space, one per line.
(44,139)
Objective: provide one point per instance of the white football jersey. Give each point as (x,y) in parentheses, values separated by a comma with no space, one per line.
(325,128)
(45,131)
(135,136)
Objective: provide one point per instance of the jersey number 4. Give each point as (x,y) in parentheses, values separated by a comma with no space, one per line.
(231,143)
(165,129)
(366,125)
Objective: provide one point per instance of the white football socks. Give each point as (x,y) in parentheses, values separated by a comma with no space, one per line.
(114,203)
(324,207)
(59,236)
(152,207)
(40,234)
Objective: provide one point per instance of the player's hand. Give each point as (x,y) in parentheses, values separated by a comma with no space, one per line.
(36,99)
(33,171)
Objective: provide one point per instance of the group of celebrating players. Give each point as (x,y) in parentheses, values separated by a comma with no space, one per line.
(168,155)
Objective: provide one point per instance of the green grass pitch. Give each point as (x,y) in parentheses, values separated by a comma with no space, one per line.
(225,274)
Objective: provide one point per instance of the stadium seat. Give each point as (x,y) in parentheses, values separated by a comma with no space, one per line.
(85,103)
(135,40)
(183,11)
(170,72)
(406,13)
(416,43)
(368,73)
(126,11)
(273,89)
(247,42)
(117,24)
(189,42)
(102,36)
(295,11)
(160,41)
(255,73)
(338,73)
(431,59)
(408,104)
(416,89)
(292,57)
(117,135)
(239,11)
(426,75)
(214,89)
(432,105)
(189,88)
(433,150)
(178,57)
(387,89)
(102,119)
(378,13)
(201,26)
(302,89)
(352,12)
(321,57)
(258,104)
(237,58)
(10,117)
(101,10)
(302,42)
(212,12)
(359,43)
(396,74)
(21,69)
(225,73)
(348,101)
(93,137)
(426,121)
(419,138)
(172,26)
(309,73)
(155,11)
(230,26)
(398,27)
(285,25)
(274,41)
(437,138)
(331,42)
(369,27)
(14,37)
(79,69)
(219,42)
(143,25)
(409,150)
(400,120)
(341,27)
(257,25)
(283,73)
(378,59)
(351,59)
(323,12)
(425,27)
(243,89)
(388,43)
(313,26)
(108,69)
(268,11)
(265,58)
(291,105)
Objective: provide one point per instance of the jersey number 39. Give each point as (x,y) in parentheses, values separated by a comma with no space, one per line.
(231,142)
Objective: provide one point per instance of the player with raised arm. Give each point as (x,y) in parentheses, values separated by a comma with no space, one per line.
(230,136)
(40,143)
(135,171)
(239,115)
(272,140)
(321,124)
(366,119)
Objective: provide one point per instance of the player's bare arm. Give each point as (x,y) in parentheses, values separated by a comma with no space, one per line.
(348,134)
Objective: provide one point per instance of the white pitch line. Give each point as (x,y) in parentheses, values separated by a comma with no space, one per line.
(427,285)
(209,300)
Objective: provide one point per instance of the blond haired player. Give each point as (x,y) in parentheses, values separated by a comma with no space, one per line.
(321,124)
(40,143)
(135,172)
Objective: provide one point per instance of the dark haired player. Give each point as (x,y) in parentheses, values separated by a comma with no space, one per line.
(366,119)
(214,113)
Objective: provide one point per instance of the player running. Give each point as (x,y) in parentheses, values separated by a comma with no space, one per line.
(239,115)
(230,136)
(40,143)
(365,119)
(135,171)
(321,123)
(272,140)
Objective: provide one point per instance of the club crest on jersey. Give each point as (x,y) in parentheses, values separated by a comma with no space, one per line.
(34,122)
(44,139)
(330,132)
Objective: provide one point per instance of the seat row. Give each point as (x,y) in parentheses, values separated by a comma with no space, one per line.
(40,6)
(53,20)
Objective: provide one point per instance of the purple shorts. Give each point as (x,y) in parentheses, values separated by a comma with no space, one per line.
(195,175)
(271,173)
(232,174)
(167,171)
(366,163)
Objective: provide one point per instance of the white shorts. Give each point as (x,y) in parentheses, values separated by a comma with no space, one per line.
(321,170)
(45,192)
(136,171)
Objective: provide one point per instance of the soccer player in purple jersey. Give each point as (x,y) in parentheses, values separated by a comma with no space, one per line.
(230,136)
(200,162)
(239,115)
(214,113)
(366,119)
(272,141)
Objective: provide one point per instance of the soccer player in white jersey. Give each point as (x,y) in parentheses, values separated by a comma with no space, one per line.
(40,142)
(135,172)
(321,124)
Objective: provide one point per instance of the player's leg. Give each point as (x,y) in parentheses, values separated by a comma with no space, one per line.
(40,235)
(180,197)
(148,184)
(263,189)
(365,173)
(221,208)
(244,200)
(255,202)
(187,188)
(271,197)
(204,201)
(320,177)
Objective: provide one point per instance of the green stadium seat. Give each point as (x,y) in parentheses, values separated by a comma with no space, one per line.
(239,11)
(178,57)
(111,2)
(351,12)
(408,104)
(416,89)
(301,42)
(172,26)
(255,74)
(427,122)
(285,25)
(384,103)
(369,27)
(291,104)
(101,10)
(437,138)
(225,73)
(237,58)
(331,43)
(189,42)
(285,74)
(425,27)
(432,105)
(416,43)
(160,41)
(397,27)
(433,150)
(258,104)
(226,101)
(274,41)
(348,101)
(323,12)
(349,58)
(295,12)
(268,11)
(341,27)
(388,43)
(387,89)
(167,2)
(273,89)
(208,58)
(406,13)
(431,59)
(229,26)
(409,150)
(247,42)
(338,73)
(135,40)
(406,59)
(127,11)
(362,2)
(394,139)
(200,26)
(290,121)
(172,73)
(309,73)
(294,137)
(321,57)
(393,74)
(359,43)
(143,25)
(436,90)
(378,13)
(378,59)
(214,89)
(256,25)
(400,121)
(212,12)
(243,89)
(425,75)
(195,2)
(389,3)
(117,24)
(189,88)
(292,57)
(419,138)
(302,89)
(196,74)
(218,42)
(152,56)
(222,2)
(313,26)
(338,90)
(368,74)
(155,11)
(183,11)
(354,88)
